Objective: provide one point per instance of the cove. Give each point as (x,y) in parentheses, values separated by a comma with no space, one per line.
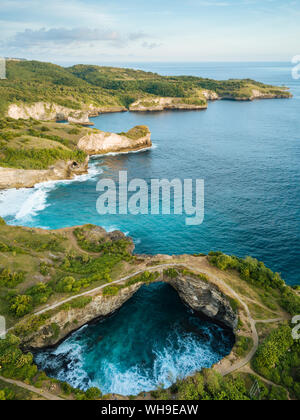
(152,340)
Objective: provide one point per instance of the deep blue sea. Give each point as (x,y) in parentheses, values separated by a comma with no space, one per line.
(138,350)
(247,153)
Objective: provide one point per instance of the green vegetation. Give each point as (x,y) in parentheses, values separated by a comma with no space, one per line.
(243,345)
(107,87)
(10,392)
(37,159)
(8,279)
(136,132)
(78,303)
(26,145)
(257,274)
(56,266)
(278,359)
(210,385)
(146,277)
(14,363)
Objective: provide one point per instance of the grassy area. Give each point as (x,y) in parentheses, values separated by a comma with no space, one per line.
(260,282)
(83,85)
(28,144)
(39,267)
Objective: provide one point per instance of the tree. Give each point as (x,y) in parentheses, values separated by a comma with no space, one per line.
(21,305)
(93,393)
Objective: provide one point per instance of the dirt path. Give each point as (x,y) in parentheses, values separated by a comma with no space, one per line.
(45,394)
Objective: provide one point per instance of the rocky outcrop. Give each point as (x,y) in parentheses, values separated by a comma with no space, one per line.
(162,104)
(205,298)
(210,95)
(256,94)
(23,178)
(70,320)
(259,94)
(52,112)
(98,143)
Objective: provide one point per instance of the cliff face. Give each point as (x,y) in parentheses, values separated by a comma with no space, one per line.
(161,104)
(52,112)
(205,298)
(101,143)
(21,178)
(72,319)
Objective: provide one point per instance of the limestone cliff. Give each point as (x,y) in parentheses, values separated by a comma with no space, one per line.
(72,319)
(97,143)
(205,298)
(23,178)
(161,104)
(52,112)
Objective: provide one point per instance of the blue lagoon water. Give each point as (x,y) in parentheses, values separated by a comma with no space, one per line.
(247,153)
(138,350)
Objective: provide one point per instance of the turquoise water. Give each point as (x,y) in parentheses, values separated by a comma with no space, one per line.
(247,153)
(152,340)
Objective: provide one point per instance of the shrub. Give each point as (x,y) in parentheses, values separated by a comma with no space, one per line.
(11,280)
(111,290)
(14,363)
(274,347)
(21,305)
(65,285)
(93,394)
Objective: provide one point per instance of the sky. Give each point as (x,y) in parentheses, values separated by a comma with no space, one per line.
(93,31)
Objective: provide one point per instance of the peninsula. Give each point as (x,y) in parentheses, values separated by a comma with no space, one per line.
(44,91)
(32,152)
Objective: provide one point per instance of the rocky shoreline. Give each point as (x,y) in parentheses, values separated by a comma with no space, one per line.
(27,178)
(102,143)
(43,111)
(93,143)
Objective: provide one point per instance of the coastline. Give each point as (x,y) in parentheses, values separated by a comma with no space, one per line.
(11,178)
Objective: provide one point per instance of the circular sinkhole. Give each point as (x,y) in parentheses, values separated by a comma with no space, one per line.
(152,340)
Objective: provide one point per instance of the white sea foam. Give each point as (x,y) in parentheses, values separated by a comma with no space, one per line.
(181,357)
(145,149)
(25,203)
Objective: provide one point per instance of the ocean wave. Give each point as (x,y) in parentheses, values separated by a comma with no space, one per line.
(145,149)
(183,355)
(22,205)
